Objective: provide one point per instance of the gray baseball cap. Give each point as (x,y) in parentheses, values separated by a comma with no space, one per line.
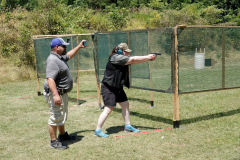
(124,47)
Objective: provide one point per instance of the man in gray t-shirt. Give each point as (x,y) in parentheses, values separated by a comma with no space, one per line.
(57,69)
(58,82)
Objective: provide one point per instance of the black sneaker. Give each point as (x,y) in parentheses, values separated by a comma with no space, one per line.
(66,137)
(57,145)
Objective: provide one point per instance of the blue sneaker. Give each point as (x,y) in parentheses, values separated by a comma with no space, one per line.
(130,128)
(99,133)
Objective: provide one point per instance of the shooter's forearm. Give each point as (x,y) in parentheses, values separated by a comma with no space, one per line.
(138,59)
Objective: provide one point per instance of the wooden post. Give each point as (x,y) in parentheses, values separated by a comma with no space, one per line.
(74,56)
(99,95)
(223,58)
(150,73)
(78,102)
(98,86)
(38,87)
(176,122)
(129,66)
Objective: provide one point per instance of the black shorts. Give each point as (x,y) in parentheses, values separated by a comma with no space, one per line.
(111,95)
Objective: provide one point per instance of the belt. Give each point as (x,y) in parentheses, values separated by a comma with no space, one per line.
(60,90)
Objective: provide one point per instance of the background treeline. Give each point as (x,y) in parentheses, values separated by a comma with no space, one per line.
(21,19)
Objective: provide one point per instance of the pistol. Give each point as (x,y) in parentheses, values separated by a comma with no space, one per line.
(84,43)
(157,54)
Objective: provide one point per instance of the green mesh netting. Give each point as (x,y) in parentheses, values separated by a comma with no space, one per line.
(208,57)
(84,58)
(151,75)
(217,68)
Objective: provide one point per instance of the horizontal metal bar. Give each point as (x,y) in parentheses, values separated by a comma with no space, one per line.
(189,92)
(82,70)
(206,26)
(138,30)
(149,89)
(185,52)
(65,35)
(141,77)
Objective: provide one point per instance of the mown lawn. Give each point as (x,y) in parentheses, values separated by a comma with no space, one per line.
(209,125)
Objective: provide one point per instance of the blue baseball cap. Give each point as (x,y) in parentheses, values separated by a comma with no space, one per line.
(58,41)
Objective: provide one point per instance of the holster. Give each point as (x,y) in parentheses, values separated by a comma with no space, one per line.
(47,90)
(61,91)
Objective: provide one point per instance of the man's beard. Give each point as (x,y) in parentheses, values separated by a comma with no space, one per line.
(64,52)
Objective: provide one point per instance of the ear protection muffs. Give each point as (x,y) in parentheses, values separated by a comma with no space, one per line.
(119,50)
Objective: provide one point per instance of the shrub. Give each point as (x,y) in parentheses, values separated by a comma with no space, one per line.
(212,14)
(191,14)
(158,5)
(118,17)
(99,22)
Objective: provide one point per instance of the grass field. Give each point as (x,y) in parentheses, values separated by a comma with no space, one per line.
(209,125)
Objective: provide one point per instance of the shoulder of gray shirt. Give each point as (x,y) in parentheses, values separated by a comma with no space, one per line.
(119,59)
(54,55)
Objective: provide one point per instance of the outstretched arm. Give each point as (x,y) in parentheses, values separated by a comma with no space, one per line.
(75,50)
(140,59)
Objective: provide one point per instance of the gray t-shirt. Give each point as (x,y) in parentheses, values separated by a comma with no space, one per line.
(119,59)
(57,69)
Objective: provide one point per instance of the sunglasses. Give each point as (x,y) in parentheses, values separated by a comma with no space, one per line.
(63,46)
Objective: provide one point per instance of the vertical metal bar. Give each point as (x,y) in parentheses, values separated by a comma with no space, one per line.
(175,94)
(150,73)
(223,58)
(128,40)
(74,56)
(78,102)
(109,49)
